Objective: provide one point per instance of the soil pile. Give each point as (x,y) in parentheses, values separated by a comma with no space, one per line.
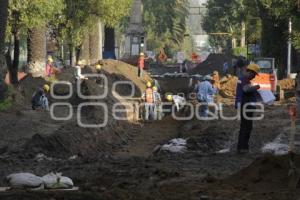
(214,62)
(68,138)
(287,84)
(228,86)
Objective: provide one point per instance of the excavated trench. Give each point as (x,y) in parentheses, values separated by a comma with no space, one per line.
(118,162)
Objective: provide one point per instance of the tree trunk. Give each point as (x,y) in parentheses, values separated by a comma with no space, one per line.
(36,46)
(13,70)
(96,44)
(3,22)
(85,50)
(243,35)
(233,42)
(109,43)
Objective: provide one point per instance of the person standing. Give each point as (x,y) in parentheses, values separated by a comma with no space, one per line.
(49,66)
(148,99)
(246,94)
(141,64)
(205,94)
(157,104)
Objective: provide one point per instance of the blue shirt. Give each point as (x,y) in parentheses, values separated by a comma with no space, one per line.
(244,95)
(205,92)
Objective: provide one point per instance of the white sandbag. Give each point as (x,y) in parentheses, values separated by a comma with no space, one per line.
(177,145)
(24,180)
(57,181)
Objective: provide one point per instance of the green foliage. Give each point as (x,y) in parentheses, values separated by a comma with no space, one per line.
(34,13)
(165,22)
(239,51)
(79,16)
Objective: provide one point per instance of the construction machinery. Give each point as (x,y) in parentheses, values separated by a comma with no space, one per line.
(267,78)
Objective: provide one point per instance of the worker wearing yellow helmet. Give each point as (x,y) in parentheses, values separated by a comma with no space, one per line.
(49,66)
(148,98)
(245,100)
(39,98)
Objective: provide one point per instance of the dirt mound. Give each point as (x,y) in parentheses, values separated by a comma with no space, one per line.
(228,86)
(128,71)
(68,138)
(268,173)
(214,62)
(287,84)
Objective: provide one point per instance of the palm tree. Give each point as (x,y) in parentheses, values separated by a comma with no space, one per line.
(96,43)
(3,22)
(36,45)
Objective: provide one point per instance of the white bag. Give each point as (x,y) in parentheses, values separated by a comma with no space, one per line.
(24,180)
(57,181)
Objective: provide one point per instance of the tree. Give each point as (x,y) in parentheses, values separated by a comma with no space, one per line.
(275,15)
(3,22)
(165,22)
(226,19)
(95,43)
(82,18)
(30,17)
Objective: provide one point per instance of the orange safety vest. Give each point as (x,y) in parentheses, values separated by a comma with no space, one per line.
(149,96)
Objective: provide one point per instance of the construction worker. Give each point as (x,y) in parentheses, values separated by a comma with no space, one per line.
(246,96)
(177,100)
(157,104)
(98,68)
(79,66)
(49,66)
(148,99)
(141,64)
(39,98)
(205,94)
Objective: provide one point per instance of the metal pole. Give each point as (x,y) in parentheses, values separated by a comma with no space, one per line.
(289,49)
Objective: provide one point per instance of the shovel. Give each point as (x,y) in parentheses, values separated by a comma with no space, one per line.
(294,172)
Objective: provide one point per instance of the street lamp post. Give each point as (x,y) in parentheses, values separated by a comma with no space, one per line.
(289,49)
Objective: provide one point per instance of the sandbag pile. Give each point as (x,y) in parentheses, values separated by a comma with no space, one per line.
(228,86)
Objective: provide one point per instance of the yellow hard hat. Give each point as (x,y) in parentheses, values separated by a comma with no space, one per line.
(154,88)
(169,97)
(254,67)
(148,84)
(98,67)
(50,59)
(46,87)
(142,54)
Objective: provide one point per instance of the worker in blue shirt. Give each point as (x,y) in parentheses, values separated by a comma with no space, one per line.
(245,100)
(205,94)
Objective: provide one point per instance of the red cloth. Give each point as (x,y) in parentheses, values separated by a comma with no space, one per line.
(141,62)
